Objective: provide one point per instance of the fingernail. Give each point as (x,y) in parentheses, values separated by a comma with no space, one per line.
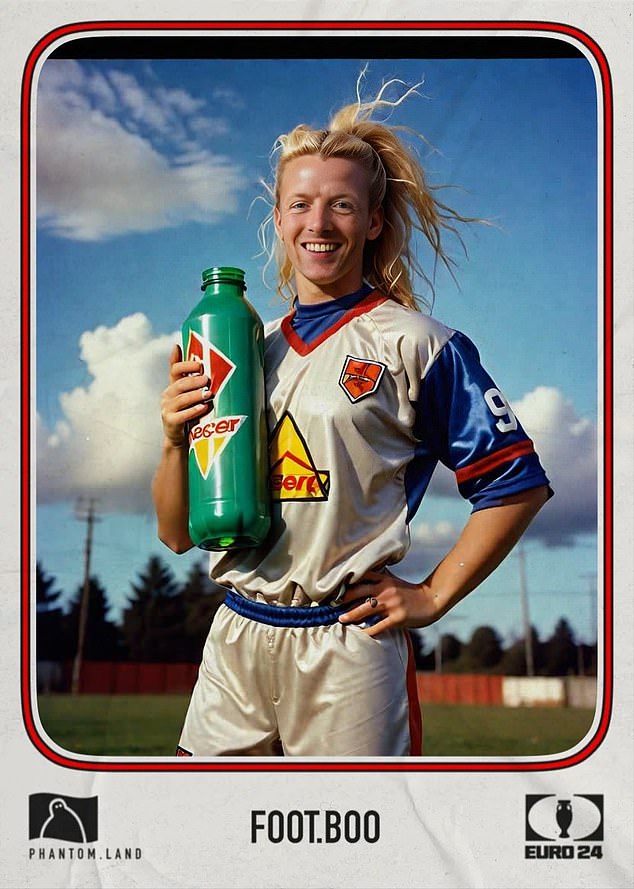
(205,393)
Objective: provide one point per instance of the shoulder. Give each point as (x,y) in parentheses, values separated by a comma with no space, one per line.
(272,327)
(393,318)
(413,335)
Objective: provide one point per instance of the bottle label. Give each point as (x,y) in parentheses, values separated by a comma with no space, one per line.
(209,437)
(210,434)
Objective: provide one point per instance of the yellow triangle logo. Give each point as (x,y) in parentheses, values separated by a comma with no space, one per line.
(209,439)
(294,475)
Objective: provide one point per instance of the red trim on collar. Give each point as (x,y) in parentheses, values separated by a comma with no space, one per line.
(373,299)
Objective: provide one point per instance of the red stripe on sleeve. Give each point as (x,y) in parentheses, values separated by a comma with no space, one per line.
(487,464)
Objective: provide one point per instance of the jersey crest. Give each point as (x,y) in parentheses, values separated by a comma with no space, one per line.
(294,475)
(360,377)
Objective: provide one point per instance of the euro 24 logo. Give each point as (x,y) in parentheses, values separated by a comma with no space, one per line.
(564,827)
(56,817)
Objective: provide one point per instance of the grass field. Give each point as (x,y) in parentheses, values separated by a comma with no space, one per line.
(149,725)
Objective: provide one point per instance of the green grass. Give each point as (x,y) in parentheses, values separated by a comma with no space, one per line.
(114,725)
(462,730)
(149,725)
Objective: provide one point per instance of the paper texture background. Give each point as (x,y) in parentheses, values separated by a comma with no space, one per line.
(441,827)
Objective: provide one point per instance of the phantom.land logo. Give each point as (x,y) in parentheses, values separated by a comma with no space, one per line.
(568,827)
(55,820)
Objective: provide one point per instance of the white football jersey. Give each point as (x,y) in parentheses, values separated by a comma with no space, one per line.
(358,419)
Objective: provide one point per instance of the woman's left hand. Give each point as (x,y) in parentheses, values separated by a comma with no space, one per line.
(396,602)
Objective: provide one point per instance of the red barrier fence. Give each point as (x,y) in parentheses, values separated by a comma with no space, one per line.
(459,688)
(130,677)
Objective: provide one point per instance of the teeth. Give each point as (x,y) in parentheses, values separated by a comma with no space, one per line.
(321,248)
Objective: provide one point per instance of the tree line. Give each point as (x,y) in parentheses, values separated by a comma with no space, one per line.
(165,621)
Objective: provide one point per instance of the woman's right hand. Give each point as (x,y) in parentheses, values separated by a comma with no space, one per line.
(186,398)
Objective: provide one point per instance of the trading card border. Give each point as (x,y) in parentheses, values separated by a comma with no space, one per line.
(505,28)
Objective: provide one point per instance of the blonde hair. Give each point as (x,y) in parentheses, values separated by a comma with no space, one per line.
(397,184)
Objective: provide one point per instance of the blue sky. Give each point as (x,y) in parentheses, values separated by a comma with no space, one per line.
(149,171)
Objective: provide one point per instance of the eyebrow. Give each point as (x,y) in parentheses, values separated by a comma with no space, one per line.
(336,197)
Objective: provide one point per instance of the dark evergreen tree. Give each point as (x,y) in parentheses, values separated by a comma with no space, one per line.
(450,649)
(484,649)
(154,621)
(49,618)
(561,656)
(201,599)
(513,662)
(103,640)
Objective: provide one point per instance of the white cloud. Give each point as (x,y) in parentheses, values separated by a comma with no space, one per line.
(107,444)
(115,156)
(567,447)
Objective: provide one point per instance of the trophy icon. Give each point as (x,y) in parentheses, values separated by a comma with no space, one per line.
(563,817)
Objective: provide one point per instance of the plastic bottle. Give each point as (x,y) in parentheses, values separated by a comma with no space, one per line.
(229,504)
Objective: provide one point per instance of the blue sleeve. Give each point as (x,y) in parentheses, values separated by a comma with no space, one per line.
(465,422)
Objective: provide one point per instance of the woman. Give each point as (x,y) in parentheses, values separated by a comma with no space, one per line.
(310,654)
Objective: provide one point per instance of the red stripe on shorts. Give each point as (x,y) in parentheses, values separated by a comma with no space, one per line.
(415,715)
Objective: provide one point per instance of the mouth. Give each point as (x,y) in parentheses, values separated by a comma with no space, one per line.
(316,247)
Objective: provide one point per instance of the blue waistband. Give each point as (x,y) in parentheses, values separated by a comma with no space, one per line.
(287,615)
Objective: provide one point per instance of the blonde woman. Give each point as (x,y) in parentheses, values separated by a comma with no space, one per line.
(310,653)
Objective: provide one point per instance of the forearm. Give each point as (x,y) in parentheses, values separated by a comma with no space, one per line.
(171,500)
(484,543)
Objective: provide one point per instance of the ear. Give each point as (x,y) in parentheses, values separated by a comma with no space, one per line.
(375,224)
(277,221)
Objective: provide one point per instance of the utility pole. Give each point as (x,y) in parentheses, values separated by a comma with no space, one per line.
(591,577)
(528,636)
(85,514)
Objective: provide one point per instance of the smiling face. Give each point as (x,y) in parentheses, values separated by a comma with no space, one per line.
(324,220)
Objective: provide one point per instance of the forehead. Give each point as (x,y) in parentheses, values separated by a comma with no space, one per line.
(329,175)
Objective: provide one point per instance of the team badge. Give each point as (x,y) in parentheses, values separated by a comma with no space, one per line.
(360,377)
(294,475)
(210,434)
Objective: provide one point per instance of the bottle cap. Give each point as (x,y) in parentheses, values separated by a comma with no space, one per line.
(219,273)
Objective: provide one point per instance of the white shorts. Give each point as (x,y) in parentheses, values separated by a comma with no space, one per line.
(265,690)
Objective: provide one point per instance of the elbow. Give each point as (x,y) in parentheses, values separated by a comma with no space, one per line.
(176,543)
(540,496)
(533,500)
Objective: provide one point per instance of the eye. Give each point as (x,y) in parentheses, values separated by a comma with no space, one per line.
(298,205)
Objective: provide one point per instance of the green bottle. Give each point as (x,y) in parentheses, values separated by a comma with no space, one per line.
(229,505)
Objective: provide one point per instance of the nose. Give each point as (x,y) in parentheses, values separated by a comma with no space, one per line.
(319,220)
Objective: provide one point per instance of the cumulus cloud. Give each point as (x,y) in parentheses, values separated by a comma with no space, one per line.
(107,443)
(108,440)
(567,447)
(114,155)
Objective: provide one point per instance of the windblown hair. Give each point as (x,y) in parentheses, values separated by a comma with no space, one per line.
(397,184)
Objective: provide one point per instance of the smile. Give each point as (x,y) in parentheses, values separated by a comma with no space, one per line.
(320,248)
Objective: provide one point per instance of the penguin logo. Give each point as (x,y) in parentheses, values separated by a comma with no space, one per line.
(62,823)
(56,817)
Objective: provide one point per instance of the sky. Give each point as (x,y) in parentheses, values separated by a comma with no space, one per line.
(148,171)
